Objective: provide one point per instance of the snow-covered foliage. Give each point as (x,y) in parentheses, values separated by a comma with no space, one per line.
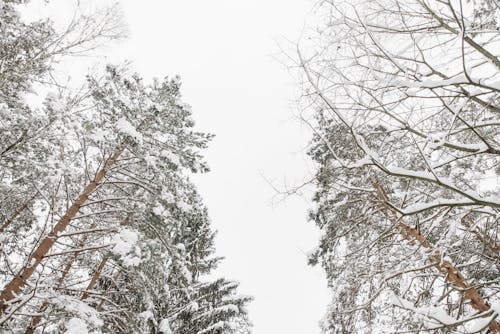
(407,141)
(101,229)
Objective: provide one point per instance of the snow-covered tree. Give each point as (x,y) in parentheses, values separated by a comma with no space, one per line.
(406,137)
(101,228)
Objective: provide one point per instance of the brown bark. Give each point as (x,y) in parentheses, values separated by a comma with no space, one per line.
(19,281)
(36,320)
(95,277)
(451,273)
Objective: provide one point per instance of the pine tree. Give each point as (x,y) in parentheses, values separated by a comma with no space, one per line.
(406,141)
(101,228)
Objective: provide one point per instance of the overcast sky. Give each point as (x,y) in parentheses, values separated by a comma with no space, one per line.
(223,50)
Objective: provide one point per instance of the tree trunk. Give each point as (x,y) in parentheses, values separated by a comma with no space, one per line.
(451,273)
(95,277)
(15,286)
(36,320)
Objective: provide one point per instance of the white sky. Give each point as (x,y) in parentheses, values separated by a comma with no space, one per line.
(223,51)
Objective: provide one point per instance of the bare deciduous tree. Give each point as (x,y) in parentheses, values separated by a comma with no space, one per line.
(406,99)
